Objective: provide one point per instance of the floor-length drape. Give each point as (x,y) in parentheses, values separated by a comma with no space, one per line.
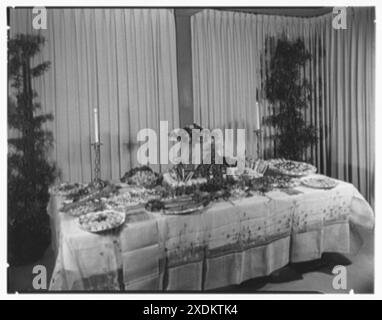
(121,61)
(351,66)
(224,72)
(231,54)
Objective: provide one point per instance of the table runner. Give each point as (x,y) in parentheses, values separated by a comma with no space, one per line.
(227,243)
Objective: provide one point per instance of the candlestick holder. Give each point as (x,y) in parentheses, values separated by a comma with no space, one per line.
(259,142)
(97,164)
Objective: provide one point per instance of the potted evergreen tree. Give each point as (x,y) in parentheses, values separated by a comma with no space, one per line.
(29,172)
(287,91)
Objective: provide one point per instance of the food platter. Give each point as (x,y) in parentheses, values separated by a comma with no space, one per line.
(86,207)
(129,197)
(142,176)
(182,210)
(101,221)
(281,181)
(249,172)
(182,186)
(292,168)
(182,205)
(181,190)
(71,191)
(319,182)
(176,206)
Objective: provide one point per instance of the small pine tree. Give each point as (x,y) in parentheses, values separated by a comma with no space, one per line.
(286,89)
(29,172)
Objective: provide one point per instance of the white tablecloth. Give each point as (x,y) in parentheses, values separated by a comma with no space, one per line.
(227,243)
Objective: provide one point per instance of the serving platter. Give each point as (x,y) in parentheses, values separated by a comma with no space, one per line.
(183,210)
(101,220)
(282,181)
(292,168)
(180,206)
(319,182)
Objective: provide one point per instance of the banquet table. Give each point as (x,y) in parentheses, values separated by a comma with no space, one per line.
(226,243)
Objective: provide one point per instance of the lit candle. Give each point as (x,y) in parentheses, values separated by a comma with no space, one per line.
(257,126)
(96,135)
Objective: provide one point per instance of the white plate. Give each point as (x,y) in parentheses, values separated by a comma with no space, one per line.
(310,182)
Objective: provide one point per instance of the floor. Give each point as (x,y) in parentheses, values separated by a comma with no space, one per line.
(309,277)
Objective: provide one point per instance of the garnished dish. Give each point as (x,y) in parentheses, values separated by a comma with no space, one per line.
(181,210)
(72,191)
(270,182)
(141,176)
(177,206)
(247,172)
(181,179)
(182,190)
(291,168)
(319,182)
(182,207)
(279,181)
(86,207)
(132,196)
(93,201)
(101,221)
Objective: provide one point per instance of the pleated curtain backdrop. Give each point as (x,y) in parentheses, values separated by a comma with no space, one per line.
(121,61)
(224,64)
(231,53)
(351,91)
(231,56)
